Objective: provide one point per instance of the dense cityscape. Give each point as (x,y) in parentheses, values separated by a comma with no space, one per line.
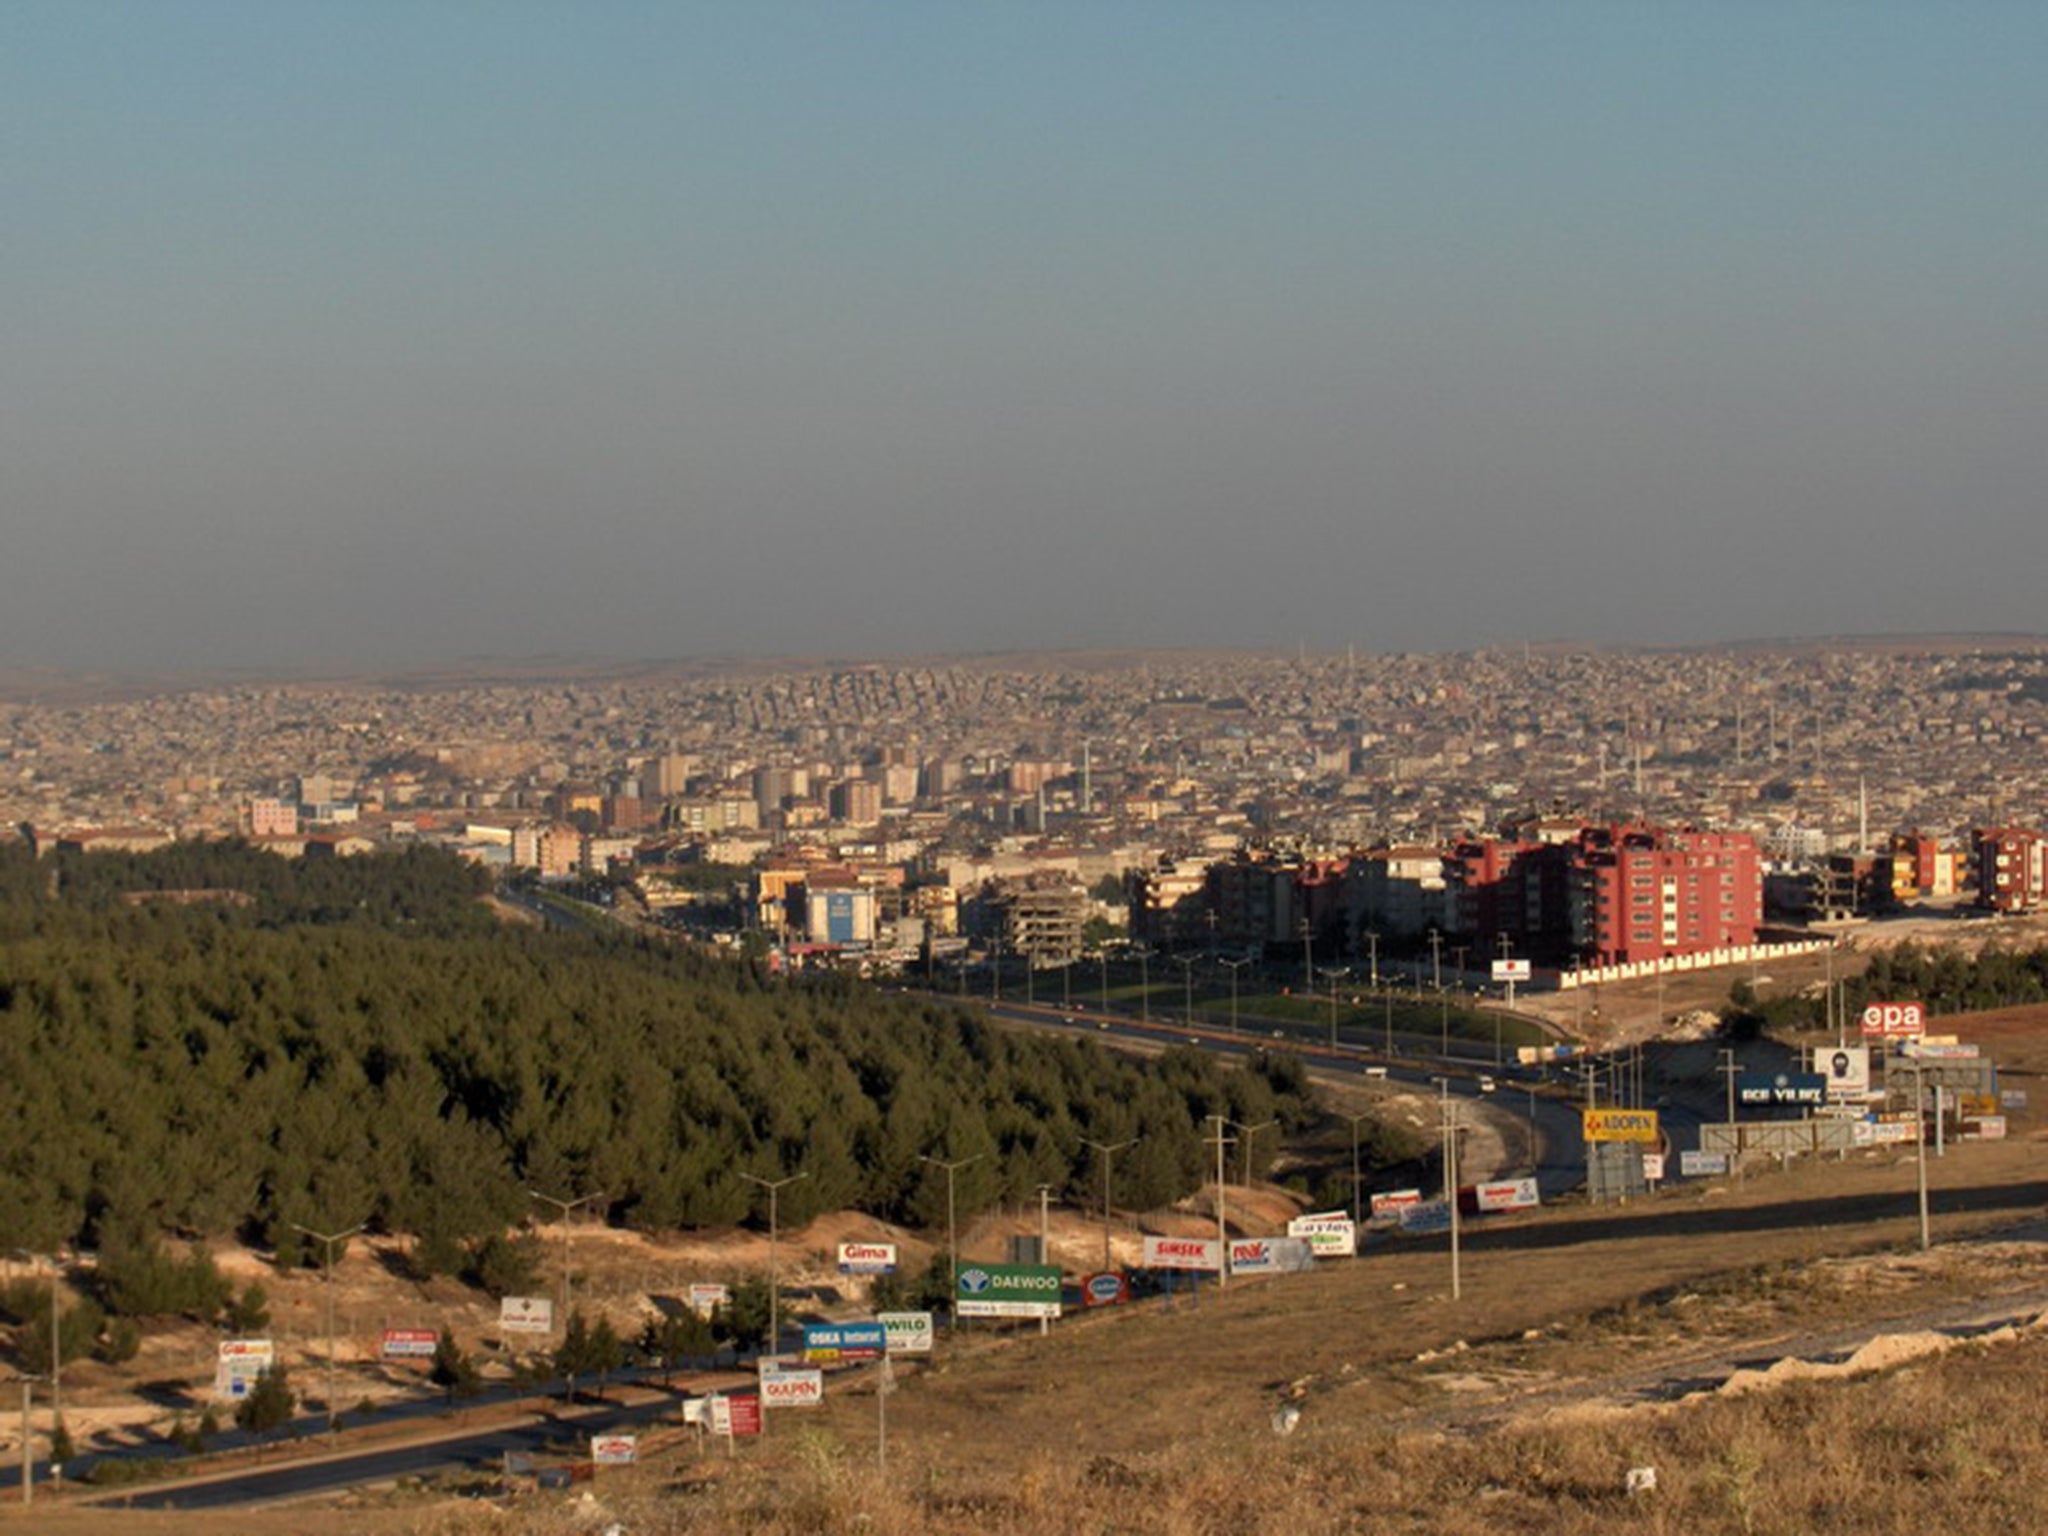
(1354,805)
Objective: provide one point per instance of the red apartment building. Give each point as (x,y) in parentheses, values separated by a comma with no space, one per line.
(2012,869)
(1645,893)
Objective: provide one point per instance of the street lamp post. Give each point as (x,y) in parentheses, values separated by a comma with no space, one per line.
(1450,1129)
(1144,985)
(952,1237)
(1333,974)
(1187,965)
(327,1240)
(1107,1150)
(1307,931)
(1249,1131)
(1234,966)
(775,1188)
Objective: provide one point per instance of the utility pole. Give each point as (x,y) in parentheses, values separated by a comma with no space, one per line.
(1372,941)
(1308,956)
(1222,1237)
(28,1440)
(1436,958)
(56,1374)
(952,1231)
(775,1188)
(566,1207)
(327,1240)
(1357,1207)
(1187,965)
(1144,984)
(1450,1130)
(1107,1150)
(1044,1243)
(1920,1145)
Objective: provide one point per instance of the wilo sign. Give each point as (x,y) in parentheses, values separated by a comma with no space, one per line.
(1008,1290)
(1893,1021)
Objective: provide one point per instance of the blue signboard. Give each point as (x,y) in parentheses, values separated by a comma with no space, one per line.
(1756,1088)
(839,917)
(845,1341)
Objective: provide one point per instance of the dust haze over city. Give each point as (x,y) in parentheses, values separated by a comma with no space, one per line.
(346,335)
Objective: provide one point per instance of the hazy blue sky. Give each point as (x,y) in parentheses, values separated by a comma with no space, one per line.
(363,331)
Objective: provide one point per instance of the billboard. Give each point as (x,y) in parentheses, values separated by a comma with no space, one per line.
(1105,1289)
(707,1296)
(1330,1234)
(906,1333)
(1387,1206)
(1619,1124)
(1008,1290)
(1697,1165)
(238,1363)
(1271,1255)
(409,1343)
(1202,1254)
(793,1389)
(829,1342)
(739,1414)
(526,1314)
(1506,1195)
(1510,970)
(1888,1021)
(1764,1088)
(867,1258)
(1426,1216)
(613,1450)
(1847,1070)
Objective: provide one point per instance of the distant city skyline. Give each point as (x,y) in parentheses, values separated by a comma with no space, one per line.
(390,334)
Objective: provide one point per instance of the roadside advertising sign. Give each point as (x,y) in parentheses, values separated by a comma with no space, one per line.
(1939,1050)
(1426,1216)
(793,1389)
(1700,1165)
(906,1333)
(1271,1255)
(1653,1167)
(526,1314)
(867,1258)
(1008,1290)
(1847,1071)
(2012,1098)
(1202,1254)
(1107,1288)
(1619,1124)
(613,1450)
(1330,1234)
(1510,970)
(1889,1131)
(826,1343)
(1507,1195)
(238,1363)
(1986,1128)
(1759,1088)
(409,1343)
(739,1414)
(707,1296)
(1888,1021)
(1387,1206)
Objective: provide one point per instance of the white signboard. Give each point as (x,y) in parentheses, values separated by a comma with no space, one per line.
(867,1258)
(1507,1195)
(1204,1254)
(1387,1206)
(1893,1021)
(1847,1071)
(238,1363)
(1329,1233)
(1270,1255)
(1653,1167)
(526,1314)
(707,1296)
(793,1389)
(908,1333)
(613,1450)
(1986,1127)
(1510,970)
(1698,1165)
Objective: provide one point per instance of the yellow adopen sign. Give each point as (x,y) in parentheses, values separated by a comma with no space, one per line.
(1620,1124)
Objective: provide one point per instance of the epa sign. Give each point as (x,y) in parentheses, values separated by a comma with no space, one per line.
(1890,1021)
